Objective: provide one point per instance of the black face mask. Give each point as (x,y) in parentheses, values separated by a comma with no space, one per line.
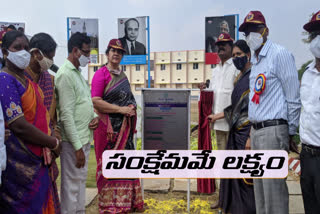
(240,62)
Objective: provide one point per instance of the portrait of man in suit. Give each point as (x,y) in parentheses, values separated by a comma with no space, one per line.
(129,41)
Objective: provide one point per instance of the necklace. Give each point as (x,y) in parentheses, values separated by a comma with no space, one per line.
(35,77)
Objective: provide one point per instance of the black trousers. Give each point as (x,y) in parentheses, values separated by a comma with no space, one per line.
(310,180)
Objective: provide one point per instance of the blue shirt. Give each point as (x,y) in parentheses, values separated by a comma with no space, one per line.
(280,99)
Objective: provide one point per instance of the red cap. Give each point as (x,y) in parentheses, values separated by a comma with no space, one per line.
(224,37)
(116,44)
(314,23)
(253,17)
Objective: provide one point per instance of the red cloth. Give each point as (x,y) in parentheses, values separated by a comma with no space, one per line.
(204,136)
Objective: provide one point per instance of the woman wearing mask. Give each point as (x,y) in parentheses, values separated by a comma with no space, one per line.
(25,182)
(236,195)
(43,49)
(114,102)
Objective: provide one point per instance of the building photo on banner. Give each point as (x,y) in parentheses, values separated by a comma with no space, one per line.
(133,37)
(89,27)
(214,26)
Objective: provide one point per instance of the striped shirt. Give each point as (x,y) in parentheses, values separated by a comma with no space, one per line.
(280,99)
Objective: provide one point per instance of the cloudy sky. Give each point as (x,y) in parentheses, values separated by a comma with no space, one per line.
(175,24)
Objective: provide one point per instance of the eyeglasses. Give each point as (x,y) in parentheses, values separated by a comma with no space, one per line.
(86,52)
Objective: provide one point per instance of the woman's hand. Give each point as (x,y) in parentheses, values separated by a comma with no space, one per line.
(127,111)
(7,134)
(248,144)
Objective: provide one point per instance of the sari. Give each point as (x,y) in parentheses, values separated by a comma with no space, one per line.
(115,132)
(25,185)
(236,195)
(46,84)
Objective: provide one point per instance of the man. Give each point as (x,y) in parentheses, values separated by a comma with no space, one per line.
(3,154)
(223,77)
(129,41)
(224,27)
(309,122)
(77,120)
(274,106)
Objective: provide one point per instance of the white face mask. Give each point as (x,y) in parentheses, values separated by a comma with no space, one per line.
(315,47)
(20,58)
(83,60)
(254,40)
(45,63)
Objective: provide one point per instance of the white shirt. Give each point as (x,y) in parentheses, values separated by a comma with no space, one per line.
(3,155)
(310,99)
(129,45)
(222,83)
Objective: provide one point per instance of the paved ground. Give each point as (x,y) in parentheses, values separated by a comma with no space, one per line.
(295,198)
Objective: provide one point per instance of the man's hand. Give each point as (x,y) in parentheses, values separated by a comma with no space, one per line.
(80,158)
(248,144)
(292,145)
(94,123)
(212,118)
(202,86)
(7,134)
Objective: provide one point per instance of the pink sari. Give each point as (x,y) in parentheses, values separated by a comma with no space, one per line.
(115,132)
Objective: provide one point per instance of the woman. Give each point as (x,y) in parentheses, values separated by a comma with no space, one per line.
(236,195)
(43,49)
(25,182)
(114,102)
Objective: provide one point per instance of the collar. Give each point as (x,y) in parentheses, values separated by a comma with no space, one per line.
(71,66)
(229,61)
(312,67)
(263,52)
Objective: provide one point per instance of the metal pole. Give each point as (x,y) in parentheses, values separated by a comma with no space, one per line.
(237,26)
(148,30)
(189,121)
(68,29)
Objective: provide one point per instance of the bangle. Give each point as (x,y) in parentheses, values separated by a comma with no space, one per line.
(57,145)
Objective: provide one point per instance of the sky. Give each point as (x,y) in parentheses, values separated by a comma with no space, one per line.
(175,25)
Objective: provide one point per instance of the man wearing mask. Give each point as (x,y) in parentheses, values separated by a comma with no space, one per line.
(274,107)
(77,120)
(222,83)
(309,122)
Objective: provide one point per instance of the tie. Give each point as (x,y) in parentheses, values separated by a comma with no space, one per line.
(132,49)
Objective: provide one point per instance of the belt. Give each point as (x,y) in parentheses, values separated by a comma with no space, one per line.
(268,123)
(314,150)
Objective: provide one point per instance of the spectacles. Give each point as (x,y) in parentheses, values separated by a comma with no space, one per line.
(85,51)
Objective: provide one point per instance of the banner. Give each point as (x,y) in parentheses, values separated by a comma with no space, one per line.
(214,26)
(132,34)
(90,27)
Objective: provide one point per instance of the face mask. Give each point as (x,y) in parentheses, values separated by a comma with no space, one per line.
(45,63)
(20,58)
(315,47)
(83,60)
(240,62)
(255,40)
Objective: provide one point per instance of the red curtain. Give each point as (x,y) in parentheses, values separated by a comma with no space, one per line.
(204,136)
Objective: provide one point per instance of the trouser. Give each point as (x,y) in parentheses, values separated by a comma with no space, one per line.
(271,195)
(310,179)
(73,180)
(221,139)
